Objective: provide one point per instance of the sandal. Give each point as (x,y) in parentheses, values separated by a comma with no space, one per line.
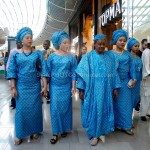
(129,132)
(18,141)
(54,139)
(34,136)
(64,134)
(93,141)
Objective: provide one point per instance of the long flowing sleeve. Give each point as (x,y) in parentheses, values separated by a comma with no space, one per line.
(43,69)
(132,68)
(80,83)
(117,83)
(73,68)
(12,68)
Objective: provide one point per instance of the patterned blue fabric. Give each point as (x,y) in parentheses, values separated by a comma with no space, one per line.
(117,34)
(130,43)
(62,73)
(28,117)
(99,37)
(58,37)
(123,103)
(22,32)
(135,92)
(98,77)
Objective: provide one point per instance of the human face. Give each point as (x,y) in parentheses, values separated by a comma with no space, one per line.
(99,46)
(121,42)
(144,45)
(65,45)
(135,48)
(27,40)
(46,45)
(84,50)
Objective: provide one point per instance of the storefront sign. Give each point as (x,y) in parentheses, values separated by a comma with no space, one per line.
(110,13)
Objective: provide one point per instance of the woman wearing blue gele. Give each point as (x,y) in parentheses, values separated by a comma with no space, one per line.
(126,69)
(133,47)
(61,66)
(26,87)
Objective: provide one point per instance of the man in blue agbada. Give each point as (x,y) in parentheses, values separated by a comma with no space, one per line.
(97,83)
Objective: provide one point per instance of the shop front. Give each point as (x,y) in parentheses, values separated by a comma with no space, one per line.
(110,18)
(81,27)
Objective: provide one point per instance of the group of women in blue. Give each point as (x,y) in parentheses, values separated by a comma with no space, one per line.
(23,71)
(102,79)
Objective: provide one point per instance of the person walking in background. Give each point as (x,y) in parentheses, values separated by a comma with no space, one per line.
(97,82)
(61,66)
(47,51)
(26,87)
(126,69)
(145,85)
(83,52)
(19,46)
(133,47)
(143,47)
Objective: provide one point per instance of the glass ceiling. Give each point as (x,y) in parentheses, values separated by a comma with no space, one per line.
(136,17)
(16,14)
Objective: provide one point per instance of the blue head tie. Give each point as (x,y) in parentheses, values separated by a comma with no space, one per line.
(22,32)
(99,37)
(131,42)
(117,34)
(58,37)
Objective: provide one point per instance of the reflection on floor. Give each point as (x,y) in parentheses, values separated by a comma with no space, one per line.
(77,140)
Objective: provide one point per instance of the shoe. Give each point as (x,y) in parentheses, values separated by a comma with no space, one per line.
(48,102)
(129,132)
(34,137)
(54,139)
(143,118)
(148,116)
(137,108)
(18,141)
(102,138)
(93,141)
(64,134)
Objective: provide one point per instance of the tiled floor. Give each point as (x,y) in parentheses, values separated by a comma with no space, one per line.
(77,140)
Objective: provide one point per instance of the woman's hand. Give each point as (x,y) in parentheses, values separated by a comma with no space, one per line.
(133,83)
(14,92)
(73,91)
(44,92)
(81,94)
